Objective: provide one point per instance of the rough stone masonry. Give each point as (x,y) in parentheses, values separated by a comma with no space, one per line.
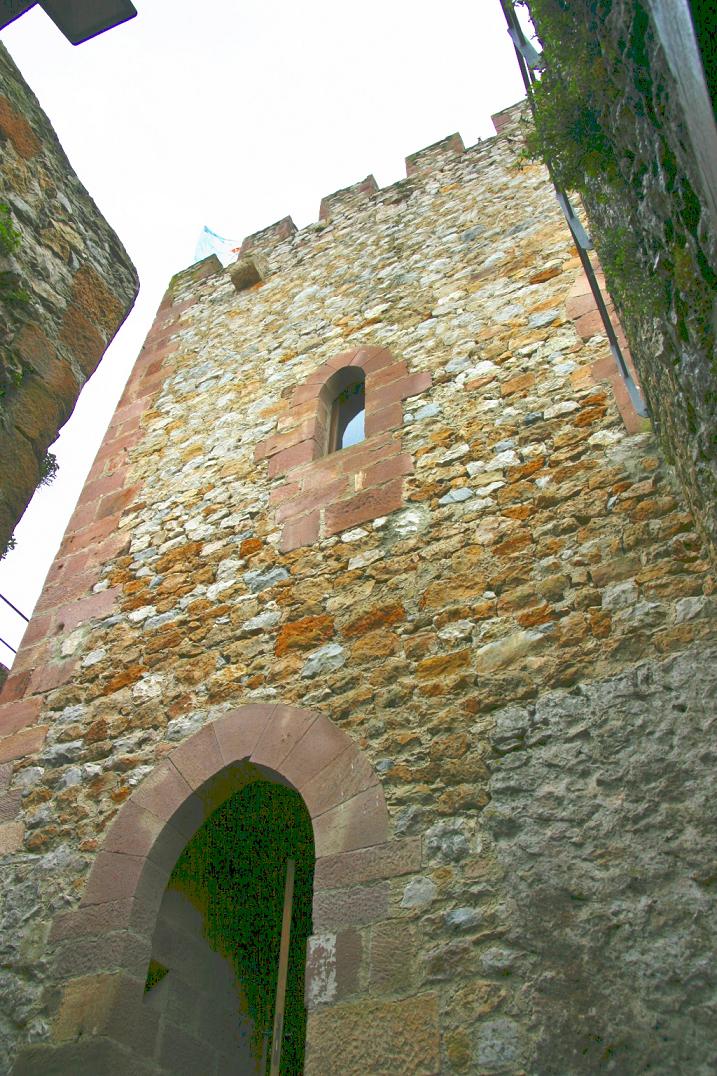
(66,286)
(493,616)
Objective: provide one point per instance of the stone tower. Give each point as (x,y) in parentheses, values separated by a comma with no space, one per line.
(477,645)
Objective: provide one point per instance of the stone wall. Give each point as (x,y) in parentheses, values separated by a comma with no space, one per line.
(518,652)
(652,210)
(66,285)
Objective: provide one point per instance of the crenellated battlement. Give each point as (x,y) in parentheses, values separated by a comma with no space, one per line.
(252,266)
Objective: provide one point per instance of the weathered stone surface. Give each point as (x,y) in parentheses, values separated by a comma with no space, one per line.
(399,1036)
(604,789)
(69,285)
(657,229)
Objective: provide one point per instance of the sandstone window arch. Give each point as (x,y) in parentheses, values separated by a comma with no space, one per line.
(103,948)
(342,409)
(327,491)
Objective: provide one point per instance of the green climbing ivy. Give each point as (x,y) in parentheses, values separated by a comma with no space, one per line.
(233,871)
(596,83)
(9,235)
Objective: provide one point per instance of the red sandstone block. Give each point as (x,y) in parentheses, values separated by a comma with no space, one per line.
(345,776)
(379,446)
(150,384)
(238,731)
(388,860)
(132,429)
(397,390)
(578,305)
(29,658)
(294,415)
(15,686)
(307,392)
(158,364)
(83,515)
(606,370)
(167,795)
(337,362)
(388,469)
(129,411)
(314,498)
(299,532)
(385,376)
(357,906)
(388,418)
(198,758)
(12,835)
(137,832)
(371,359)
(95,919)
(66,592)
(37,629)
(361,822)
(48,677)
(292,457)
(134,831)
(320,746)
(76,540)
(282,493)
(114,504)
(116,949)
(114,876)
(22,743)
(279,441)
(113,446)
(589,325)
(369,504)
(333,967)
(281,734)
(65,567)
(93,607)
(10,803)
(320,471)
(109,547)
(19,714)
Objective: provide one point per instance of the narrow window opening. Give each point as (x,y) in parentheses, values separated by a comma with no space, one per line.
(348,409)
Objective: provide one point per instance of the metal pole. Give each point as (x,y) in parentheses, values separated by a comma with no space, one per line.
(15,608)
(283,969)
(527,60)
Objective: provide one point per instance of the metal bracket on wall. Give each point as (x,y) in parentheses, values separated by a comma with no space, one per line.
(529,62)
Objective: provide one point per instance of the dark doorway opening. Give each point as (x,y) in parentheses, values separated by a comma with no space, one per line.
(215,951)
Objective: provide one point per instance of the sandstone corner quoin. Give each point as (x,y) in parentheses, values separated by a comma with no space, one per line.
(480,643)
(66,286)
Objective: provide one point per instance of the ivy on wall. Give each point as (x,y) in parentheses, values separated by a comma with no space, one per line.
(598,86)
(13,299)
(233,871)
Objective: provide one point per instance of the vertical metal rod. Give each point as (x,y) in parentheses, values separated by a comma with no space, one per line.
(636,397)
(283,969)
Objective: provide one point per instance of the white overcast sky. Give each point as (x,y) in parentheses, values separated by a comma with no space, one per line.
(233,114)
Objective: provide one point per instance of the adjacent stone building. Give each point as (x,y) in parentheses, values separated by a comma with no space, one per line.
(66,286)
(479,642)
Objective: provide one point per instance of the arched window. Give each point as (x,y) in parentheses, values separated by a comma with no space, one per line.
(343,403)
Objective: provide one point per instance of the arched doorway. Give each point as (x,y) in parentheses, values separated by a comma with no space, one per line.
(215,957)
(102,1024)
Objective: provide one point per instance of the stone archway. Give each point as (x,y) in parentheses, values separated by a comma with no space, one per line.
(102,949)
